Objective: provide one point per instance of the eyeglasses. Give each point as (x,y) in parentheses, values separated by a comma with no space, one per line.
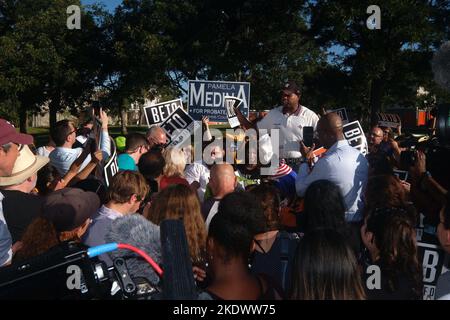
(75,130)
(372,134)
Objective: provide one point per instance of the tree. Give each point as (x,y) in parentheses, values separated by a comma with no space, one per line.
(386,66)
(260,41)
(44,61)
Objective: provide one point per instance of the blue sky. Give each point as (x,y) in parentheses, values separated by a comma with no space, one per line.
(109,4)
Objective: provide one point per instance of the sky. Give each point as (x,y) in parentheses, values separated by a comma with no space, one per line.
(109,4)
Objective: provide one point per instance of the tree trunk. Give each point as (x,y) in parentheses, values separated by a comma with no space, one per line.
(23,120)
(123,118)
(376,92)
(54,107)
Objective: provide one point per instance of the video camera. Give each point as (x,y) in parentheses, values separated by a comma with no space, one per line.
(66,272)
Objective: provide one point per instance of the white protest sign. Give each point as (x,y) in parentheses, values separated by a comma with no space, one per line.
(355,136)
(111,168)
(390,120)
(230,104)
(433,260)
(158,113)
(178,127)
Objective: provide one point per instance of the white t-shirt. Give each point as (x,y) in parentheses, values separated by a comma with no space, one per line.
(199,172)
(291,128)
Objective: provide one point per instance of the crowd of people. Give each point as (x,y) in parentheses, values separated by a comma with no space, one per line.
(314,229)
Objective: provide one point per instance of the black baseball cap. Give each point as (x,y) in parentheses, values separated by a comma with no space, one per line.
(291,87)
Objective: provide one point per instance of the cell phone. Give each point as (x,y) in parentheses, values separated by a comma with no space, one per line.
(308,136)
(402,175)
(96,107)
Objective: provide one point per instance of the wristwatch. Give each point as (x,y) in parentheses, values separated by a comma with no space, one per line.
(427,174)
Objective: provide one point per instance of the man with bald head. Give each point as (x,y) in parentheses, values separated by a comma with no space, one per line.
(222,181)
(342,164)
(375,139)
(157,138)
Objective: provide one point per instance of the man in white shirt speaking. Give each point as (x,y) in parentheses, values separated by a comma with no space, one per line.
(342,164)
(290,118)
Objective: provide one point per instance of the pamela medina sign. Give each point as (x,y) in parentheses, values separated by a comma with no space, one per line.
(207,98)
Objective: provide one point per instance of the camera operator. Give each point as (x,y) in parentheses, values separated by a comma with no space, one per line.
(426,193)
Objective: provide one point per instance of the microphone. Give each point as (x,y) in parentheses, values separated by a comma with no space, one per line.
(141,233)
(178,279)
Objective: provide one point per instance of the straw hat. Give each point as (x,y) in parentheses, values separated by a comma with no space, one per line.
(25,166)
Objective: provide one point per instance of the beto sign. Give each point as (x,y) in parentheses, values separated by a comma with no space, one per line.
(207,98)
(159,112)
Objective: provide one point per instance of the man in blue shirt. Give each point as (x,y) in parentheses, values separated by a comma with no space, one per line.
(341,164)
(64,135)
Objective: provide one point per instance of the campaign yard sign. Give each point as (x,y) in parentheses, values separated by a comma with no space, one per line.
(207,98)
(342,112)
(433,260)
(231,103)
(390,120)
(354,134)
(111,168)
(158,113)
(178,127)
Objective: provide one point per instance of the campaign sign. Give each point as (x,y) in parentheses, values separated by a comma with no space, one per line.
(231,103)
(342,112)
(207,98)
(354,134)
(390,120)
(159,112)
(433,263)
(111,168)
(178,127)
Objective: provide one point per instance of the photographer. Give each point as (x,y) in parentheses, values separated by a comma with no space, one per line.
(426,193)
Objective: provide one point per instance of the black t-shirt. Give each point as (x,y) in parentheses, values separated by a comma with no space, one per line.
(403,286)
(278,261)
(20,209)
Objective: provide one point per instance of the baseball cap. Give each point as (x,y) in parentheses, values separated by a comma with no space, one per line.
(9,134)
(69,208)
(120,142)
(291,87)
